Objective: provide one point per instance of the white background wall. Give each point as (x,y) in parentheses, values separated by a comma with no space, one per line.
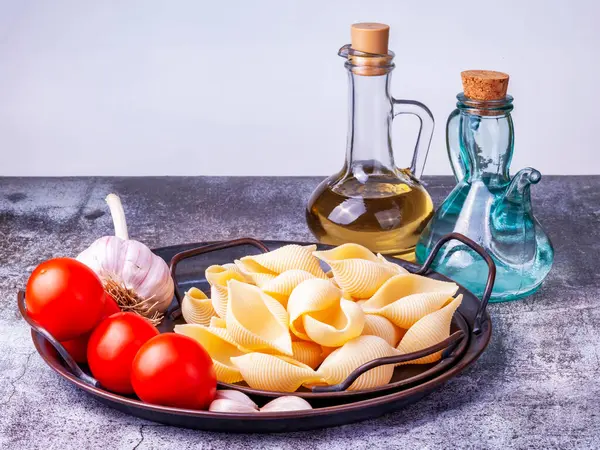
(187,87)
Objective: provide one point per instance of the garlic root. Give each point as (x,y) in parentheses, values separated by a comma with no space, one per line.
(128,300)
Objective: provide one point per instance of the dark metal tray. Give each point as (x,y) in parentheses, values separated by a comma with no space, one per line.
(472,332)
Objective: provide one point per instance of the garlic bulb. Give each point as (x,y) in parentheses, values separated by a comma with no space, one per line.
(236,396)
(286,403)
(230,406)
(130,264)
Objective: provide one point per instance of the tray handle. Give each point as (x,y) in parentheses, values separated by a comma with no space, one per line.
(489,285)
(448,344)
(67,358)
(206,249)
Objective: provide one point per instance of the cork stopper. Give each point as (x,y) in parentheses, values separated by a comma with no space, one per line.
(484,84)
(370,37)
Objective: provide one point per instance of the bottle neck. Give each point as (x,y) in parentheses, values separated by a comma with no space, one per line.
(370,114)
(486,137)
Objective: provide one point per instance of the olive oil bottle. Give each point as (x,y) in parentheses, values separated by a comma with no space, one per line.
(370,201)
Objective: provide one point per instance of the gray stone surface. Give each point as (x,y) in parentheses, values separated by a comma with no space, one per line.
(536,386)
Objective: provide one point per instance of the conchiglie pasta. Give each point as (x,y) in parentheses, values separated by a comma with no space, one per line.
(406,311)
(256,321)
(353,354)
(196,307)
(218,347)
(334,328)
(318,313)
(253,277)
(288,257)
(217,322)
(357,271)
(307,353)
(346,251)
(399,269)
(404,299)
(382,327)
(428,331)
(218,276)
(281,287)
(310,296)
(274,373)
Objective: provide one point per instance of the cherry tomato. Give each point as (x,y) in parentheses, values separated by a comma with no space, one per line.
(110,306)
(65,297)
(77,347)
(112,347)
(174,370)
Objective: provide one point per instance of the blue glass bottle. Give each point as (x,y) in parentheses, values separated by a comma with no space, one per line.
(487,206)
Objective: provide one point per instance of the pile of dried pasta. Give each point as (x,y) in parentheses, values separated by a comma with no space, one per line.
(277,321)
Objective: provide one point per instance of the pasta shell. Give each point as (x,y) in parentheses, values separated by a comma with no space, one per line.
(282,285)
(274,373)
(233,268)
(404,299)
(353,354)
(196,307)
(382,327)
(288,257)
(398,268)
(326,351)
(335,327)
(318,313)
(257,278)
(219,349)
(218,276)
(310,296)
(217,322)
(346,251)
(430,330)
(256,321)
(243,270)
(357,271)
(307,353)
(406,311)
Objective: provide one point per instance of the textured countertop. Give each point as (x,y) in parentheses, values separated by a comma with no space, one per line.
(536,386)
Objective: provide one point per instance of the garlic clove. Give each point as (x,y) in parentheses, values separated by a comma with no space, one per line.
(286,403)
(236,396)
(225,405)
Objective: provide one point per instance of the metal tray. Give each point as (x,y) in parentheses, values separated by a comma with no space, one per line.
(472,332)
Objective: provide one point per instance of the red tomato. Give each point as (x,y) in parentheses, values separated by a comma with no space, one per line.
(110,306)
(65,297)
(174,370)
(77,347)
(112,347)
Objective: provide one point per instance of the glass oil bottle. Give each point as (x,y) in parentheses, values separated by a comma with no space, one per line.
(370,201)
(487,204)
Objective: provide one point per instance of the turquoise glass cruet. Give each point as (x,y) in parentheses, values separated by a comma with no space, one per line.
(488,206)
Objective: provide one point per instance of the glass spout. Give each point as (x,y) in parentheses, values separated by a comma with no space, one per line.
(518,189)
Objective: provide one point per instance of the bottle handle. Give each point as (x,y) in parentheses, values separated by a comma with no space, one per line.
(453,145)
(426,125)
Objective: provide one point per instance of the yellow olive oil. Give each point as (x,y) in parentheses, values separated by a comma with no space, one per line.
(385,214)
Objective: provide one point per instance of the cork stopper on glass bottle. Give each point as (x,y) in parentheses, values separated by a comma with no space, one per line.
(484,84)
(370,37)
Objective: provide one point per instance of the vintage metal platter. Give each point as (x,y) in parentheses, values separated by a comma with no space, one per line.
(410,383)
